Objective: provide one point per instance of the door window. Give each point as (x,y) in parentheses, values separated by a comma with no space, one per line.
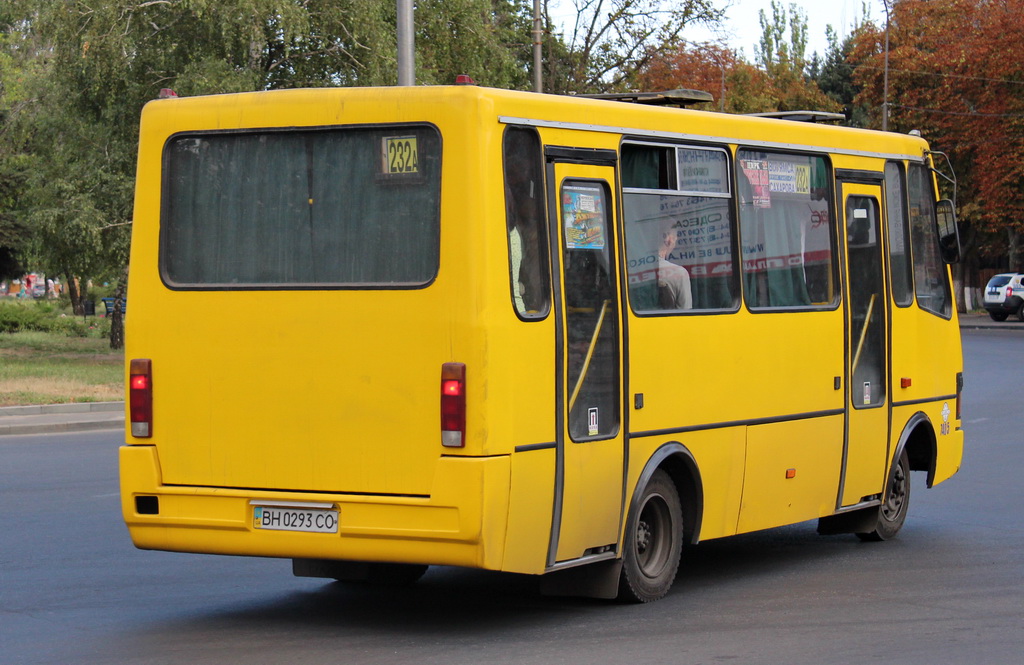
(591,311)
(867,305)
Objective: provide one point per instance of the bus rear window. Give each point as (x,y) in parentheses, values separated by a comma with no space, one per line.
(326,208)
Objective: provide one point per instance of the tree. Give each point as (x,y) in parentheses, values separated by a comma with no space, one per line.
(16,57)
(610,40)
(738,86)
(834,77)
(67,150)
(961,82)
(782,56)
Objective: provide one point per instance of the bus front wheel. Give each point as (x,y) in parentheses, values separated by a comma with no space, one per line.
(653,542)
(893,513)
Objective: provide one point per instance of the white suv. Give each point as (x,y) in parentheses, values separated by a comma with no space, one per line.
(1004,296)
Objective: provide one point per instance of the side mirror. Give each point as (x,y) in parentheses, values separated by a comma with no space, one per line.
(949,236)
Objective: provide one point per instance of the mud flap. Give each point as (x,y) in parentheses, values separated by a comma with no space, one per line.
(594,580)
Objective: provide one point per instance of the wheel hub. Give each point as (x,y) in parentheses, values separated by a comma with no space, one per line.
(643,536)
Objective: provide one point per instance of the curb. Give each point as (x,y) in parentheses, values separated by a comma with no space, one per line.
(49,409)
(58,418)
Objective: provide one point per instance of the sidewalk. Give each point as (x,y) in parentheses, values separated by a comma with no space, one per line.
(57,418)
(982,321)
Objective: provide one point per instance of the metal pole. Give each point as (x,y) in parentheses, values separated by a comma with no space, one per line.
(406,52)
(885,77)
(538,34)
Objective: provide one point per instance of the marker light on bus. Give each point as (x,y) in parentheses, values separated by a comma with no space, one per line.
(140,397)
(453,405)
(959,392)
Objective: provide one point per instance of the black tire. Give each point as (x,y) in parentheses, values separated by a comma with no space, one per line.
(1020,312)
(653,542)
(893,511)
(999,316)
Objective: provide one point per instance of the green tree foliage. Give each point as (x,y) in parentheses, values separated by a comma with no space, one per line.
(834,76)
(76,73)
(782,56)
(16,59)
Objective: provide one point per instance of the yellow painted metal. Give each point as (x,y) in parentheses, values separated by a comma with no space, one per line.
(592,471)
(333,396)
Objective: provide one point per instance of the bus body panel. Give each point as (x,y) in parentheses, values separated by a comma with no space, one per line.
(449,528)
(719,455)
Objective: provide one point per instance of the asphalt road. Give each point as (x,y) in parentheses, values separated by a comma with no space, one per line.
(950,589)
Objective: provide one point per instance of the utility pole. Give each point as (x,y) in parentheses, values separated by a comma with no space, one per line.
(885,76)
(406,46)
(538,35)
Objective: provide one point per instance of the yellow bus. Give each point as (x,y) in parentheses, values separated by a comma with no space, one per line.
(375,330)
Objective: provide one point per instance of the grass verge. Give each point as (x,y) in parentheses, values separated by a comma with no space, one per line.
(52,368)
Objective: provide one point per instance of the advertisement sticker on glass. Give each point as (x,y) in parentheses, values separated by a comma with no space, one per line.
(583,213)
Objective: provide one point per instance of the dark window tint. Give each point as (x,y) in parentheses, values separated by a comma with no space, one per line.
(527,223)
(287,209)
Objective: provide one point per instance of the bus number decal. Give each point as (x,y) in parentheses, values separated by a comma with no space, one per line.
(401,155)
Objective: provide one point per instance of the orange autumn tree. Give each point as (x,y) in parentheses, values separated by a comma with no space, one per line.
(956,73)
(737,85)
(778,82)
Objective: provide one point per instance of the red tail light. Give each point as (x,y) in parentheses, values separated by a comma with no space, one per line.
(1009,291)
(140,397)
(453,405)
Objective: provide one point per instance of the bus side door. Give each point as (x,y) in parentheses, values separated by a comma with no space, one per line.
(590,433)
(867,391)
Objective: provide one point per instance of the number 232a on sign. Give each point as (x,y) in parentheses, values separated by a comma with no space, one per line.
(401,155)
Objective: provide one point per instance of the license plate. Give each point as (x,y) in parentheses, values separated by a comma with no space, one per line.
(295,518)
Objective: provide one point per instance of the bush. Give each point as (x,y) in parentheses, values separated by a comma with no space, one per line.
(18,317)
(43,316)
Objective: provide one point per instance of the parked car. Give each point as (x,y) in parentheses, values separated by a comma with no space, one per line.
(1004,295)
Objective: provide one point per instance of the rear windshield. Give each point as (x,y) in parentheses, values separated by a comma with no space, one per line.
(325,208)
(999,280)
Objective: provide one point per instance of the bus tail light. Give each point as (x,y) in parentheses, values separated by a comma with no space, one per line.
(140,397)
(453,405)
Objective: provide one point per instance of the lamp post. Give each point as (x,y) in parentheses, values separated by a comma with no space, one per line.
(406,44)
(538,36)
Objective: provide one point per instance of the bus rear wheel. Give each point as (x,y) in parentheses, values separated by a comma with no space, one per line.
(893,513)
(653,542)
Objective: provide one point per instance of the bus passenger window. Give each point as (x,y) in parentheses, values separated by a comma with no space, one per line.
(526,222)
(785,229)
(899,249)
(677,210)
(930,282)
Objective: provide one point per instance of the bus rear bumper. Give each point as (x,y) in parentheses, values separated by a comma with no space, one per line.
(446,528)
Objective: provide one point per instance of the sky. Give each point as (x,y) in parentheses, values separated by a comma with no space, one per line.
(742,27)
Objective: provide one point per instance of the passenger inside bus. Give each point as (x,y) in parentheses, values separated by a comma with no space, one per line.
(673,279)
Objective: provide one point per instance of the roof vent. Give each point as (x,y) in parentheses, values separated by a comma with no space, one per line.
(801,116)
(681,97)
